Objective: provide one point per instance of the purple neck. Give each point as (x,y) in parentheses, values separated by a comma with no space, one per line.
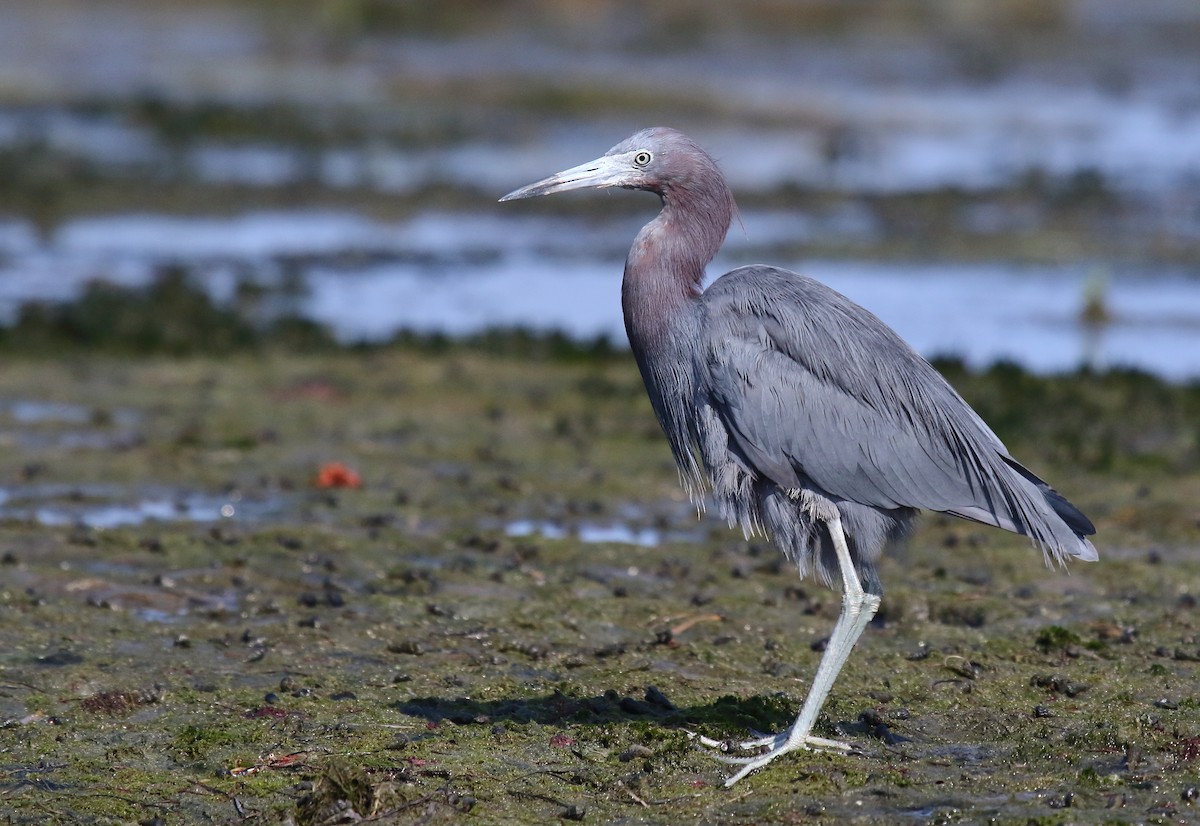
(664,272)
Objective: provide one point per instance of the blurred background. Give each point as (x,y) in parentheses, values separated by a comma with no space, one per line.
(998,179)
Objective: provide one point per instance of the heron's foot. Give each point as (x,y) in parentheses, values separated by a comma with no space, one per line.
(774,745)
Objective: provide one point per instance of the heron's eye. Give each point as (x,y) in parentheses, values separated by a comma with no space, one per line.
(641,159)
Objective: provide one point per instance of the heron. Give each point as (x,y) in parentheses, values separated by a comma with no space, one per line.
(797,412)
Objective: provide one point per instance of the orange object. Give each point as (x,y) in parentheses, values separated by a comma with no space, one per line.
(337,475)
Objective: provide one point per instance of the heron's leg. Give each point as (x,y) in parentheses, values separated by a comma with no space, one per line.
(857,609)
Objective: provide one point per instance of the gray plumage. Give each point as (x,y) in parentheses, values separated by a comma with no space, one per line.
(803,389)
(804,416)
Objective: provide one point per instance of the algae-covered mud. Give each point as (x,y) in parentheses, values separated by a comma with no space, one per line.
(500,609)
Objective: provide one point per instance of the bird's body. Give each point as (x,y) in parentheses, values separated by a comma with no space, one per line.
(794,387)
(803,415)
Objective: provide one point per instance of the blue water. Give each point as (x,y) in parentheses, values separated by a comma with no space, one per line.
(464,272)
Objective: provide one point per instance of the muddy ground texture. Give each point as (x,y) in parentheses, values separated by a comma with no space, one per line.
(458,640)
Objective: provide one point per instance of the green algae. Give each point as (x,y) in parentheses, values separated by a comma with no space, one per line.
(391,651)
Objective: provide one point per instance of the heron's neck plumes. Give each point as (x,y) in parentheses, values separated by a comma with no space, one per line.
(665,268)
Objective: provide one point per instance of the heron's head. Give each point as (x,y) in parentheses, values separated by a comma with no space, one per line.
(658,159)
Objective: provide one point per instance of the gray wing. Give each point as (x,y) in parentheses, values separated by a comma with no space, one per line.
(817,392)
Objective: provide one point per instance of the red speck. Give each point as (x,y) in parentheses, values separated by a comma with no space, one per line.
(1189,749)
(288,760)
(699,784)
(265,711)
(561,741)
(431,726)
(337,475)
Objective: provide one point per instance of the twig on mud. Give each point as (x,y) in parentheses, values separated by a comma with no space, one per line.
(630,792)
(559,773)
(420,801)
(693,620)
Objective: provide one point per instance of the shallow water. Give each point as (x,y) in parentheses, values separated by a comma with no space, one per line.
(981,313)
(460,273)
(112,506)
(615,532)
(863,113)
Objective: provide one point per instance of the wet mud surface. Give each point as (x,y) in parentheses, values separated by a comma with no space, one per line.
(516,617)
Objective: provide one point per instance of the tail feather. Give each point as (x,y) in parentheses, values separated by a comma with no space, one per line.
(1058,527)
(1070,514)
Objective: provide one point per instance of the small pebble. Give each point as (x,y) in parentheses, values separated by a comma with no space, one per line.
(1064,802)
(634,752)
(923,651)
(655,697)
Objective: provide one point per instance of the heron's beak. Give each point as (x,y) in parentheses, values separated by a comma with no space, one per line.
(608,170)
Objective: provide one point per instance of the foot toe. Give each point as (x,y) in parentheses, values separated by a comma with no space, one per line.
(775,746)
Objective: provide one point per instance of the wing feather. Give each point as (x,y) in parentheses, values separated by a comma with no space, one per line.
(815,391)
